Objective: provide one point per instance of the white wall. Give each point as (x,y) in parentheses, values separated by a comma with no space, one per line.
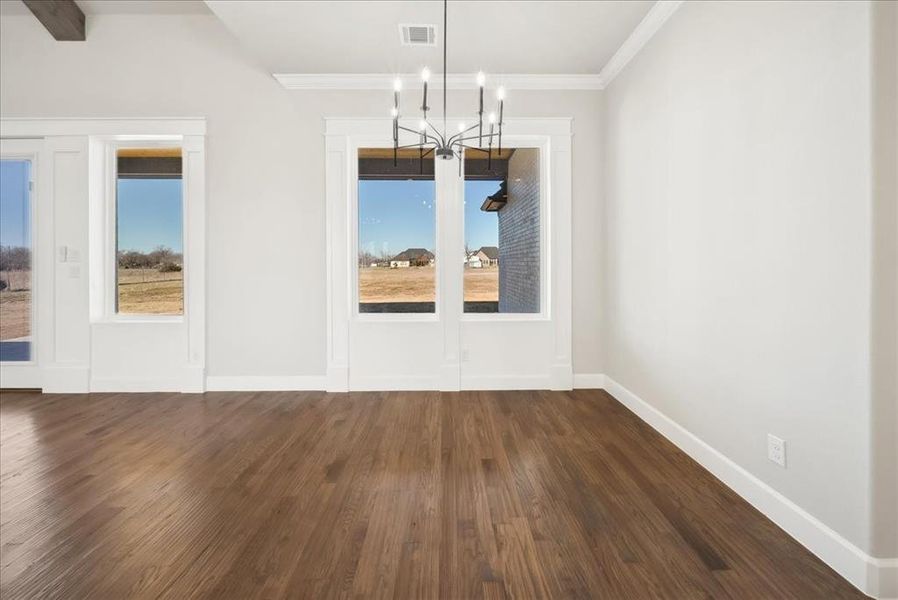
(884,344)
(265,170)
(738,227)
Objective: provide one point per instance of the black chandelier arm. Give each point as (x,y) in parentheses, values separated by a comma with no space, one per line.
(458,136)
(432,145)
(477,148)
(439,135)
(488,152)
(419,133)
(476,137)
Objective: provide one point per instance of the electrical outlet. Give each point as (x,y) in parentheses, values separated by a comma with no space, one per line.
(776,450)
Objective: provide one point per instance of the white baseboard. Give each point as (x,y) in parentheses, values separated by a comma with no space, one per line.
(194,381)
(185,380)
(561,377)
(57,379)
(135,384)
(506,382)
(882,575)
(20,376)
(589,381)
(392,383)
(260,383)
(875,577)
(337,378)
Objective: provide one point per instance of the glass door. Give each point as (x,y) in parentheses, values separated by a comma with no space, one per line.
(17,281)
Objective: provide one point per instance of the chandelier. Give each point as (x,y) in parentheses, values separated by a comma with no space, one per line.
(431,139)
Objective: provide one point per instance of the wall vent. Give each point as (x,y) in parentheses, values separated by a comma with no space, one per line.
(418,35)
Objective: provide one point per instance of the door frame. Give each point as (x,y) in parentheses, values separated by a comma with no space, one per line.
(27,374)
(342,138)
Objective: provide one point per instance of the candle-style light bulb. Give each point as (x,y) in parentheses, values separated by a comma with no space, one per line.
(394,112)
(492,118)
(500,94)
(425,74)
(422,125)
(461,127)
(481,81)
(397,85)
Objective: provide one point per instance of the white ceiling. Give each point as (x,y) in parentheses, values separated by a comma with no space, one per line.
(119,7)
(494,36)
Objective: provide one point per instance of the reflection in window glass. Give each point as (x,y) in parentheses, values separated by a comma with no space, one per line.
(502,231)
(149,232)
(15,260)
(397,232)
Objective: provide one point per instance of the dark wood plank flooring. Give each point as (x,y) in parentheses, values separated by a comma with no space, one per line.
(372,495)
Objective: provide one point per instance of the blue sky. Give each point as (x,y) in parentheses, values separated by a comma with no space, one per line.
(15,217)
(395,215)
(481,228)
(149,210)
(149,214)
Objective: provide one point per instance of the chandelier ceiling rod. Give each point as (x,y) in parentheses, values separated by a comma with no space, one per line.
(445,44)
(440,142)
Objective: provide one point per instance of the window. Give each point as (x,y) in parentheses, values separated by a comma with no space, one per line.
(502,231)
(15,260)
(149,232)
(396,232)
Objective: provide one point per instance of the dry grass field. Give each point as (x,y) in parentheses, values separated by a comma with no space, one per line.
(141,291)
(482,285)
(15,305)
(147,291)
(416,284)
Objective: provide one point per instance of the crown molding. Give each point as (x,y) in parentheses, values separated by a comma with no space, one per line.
(642,34)
(645,31)
(454,81)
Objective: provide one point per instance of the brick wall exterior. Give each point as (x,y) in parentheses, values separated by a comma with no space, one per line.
(519,236)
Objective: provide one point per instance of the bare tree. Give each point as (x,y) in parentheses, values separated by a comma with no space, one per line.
(366,258)
(14,259)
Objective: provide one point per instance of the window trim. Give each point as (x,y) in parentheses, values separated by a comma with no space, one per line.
(111,146)
(386,317)
(341,135)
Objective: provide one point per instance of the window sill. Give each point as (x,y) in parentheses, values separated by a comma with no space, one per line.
(505,317)
(139,319)
(397,317)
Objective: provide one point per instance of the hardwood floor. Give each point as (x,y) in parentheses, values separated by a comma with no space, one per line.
(406,495)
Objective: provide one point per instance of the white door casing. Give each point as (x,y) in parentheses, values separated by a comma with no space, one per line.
(26,374)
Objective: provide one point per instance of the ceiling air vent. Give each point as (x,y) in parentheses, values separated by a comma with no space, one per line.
(418,35)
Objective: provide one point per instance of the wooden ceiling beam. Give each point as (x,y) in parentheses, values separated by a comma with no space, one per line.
(62,18)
